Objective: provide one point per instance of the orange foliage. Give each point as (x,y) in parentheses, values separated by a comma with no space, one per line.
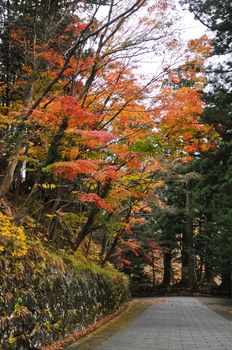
(64,107)
(180,124)
(93,138)
(94,198)
(69,170)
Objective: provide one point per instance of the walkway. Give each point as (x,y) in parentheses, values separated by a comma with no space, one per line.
(178,323)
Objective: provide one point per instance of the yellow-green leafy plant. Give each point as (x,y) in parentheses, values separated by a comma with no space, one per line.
(12,237)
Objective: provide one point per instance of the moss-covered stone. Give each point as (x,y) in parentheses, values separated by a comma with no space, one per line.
(43,305)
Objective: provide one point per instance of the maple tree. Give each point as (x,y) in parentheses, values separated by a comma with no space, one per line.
(87,123)
(51,64)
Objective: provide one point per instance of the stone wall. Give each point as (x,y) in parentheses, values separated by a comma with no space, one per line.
(38,306)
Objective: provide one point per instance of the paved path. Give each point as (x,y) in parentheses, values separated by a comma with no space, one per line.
(180,323)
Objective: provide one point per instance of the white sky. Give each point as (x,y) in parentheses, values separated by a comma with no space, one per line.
(192,28)
(189,29)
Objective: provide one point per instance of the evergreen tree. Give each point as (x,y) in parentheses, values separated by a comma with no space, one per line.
(214,190)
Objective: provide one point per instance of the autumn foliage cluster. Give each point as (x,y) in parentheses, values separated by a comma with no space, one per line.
(82,136)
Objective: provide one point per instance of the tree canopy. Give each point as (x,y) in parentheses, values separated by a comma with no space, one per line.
(97,159)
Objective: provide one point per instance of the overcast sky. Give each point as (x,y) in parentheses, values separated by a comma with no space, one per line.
(191,28)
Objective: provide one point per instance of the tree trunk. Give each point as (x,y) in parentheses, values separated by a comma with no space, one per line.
(208,277)
(103,247)
(88,245)
(111,250)
(153,269)
(188,261)
(226,285)
(9,176)
(167,268)
(86,229)
(52,155)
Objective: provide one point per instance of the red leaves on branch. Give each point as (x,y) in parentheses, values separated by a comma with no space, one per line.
(76,27)
(93,198)
(93,138)
(107,172)
(69,170)
(124,262)
(133,246)
(64,107)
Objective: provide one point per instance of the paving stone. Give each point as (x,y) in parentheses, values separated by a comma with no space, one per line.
(179,323)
